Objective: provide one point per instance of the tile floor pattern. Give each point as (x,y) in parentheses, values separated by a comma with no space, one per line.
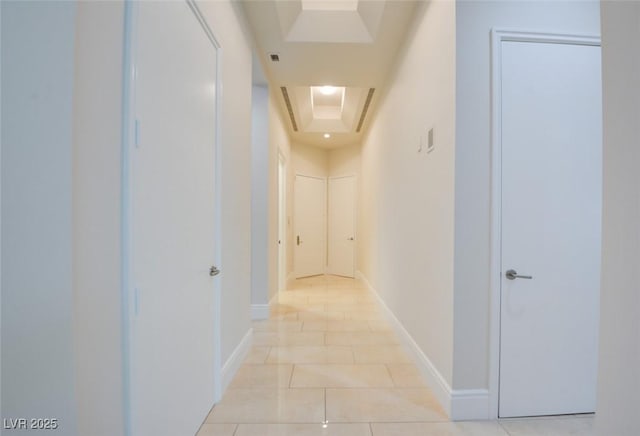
(326,363)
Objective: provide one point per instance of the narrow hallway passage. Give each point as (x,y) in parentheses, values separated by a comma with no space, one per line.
(326,362)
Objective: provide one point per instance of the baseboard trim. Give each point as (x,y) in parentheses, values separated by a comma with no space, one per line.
(259,311)
(468,404)
(459,404)
(233,363)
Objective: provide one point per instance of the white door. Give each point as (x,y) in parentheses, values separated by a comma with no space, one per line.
(310,225)
(282,223)
(341,225)
(172,225)
(551,214)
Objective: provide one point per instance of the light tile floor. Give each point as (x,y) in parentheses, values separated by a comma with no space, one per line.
(326,363)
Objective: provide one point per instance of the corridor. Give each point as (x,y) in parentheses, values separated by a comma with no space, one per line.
(327,362)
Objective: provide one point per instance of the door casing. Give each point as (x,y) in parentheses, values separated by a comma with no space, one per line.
(497,37)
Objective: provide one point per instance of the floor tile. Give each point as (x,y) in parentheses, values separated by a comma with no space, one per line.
(488,428)
(379,326)
(310,354)
(269,406)
(360,338)
(561,426)
(269,325)
(380,354)
(303,430)
(288,338)
(405,375)
(341,376)
(382,405)
(257,355)
(262,376)
(348,326)
(217,430)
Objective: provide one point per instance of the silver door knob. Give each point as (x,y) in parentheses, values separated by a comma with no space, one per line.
(512,274)
(213,271)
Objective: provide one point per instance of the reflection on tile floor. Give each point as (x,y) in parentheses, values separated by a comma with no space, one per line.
(326,363)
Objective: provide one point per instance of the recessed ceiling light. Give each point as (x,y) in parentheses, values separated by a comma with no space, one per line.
(328,90)
(327,135)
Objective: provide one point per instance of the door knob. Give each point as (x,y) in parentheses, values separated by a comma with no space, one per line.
(298,241)
(213,271)
(350,239)
(512,274)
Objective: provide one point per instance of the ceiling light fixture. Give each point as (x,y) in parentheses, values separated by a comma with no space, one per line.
(327,136)
(328,90)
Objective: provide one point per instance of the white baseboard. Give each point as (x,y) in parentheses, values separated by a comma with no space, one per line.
(468,404)
(459,404)
(259,311)
(233,363)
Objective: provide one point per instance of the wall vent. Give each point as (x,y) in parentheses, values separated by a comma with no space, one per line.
(285,94)
(365,109)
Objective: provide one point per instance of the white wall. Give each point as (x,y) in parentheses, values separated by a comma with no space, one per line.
(619,366)
(260,196)
(406,221)
(309,160)
(97,154)
(474,21)
(227,22)
(344,161)
(38,365)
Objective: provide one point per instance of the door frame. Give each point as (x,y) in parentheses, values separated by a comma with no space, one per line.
(355,220)
(129,139)
(497,37)
(282,221)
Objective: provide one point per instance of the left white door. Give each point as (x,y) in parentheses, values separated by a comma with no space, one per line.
(172,220)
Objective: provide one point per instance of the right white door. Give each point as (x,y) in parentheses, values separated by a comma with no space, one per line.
(341,224)
(551,215)
(309,217)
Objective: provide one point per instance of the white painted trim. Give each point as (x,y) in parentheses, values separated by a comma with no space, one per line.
(497,37)
(469,404)
(261,311)
(234,362)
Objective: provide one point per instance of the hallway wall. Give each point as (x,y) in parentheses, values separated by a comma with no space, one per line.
(405,245)
(38,367)
(260,213)
(474,21)
(619,366)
